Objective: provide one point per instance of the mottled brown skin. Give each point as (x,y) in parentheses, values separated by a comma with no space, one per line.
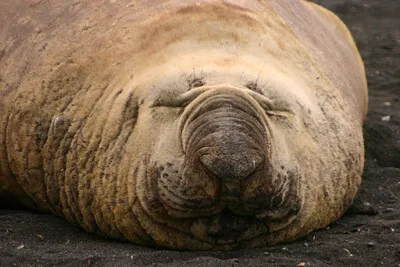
(199,125)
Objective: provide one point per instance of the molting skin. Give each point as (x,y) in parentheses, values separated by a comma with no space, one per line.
(205,125)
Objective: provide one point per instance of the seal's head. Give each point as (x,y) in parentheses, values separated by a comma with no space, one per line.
(239,139)
(225,162)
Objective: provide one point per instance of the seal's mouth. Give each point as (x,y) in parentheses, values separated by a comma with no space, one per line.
(227,227)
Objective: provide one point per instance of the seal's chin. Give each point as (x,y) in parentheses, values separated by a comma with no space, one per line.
(227,227)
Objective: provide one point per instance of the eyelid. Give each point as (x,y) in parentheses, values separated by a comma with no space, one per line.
(279,113)
(263,101)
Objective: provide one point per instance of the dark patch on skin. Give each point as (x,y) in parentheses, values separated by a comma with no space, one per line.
(41,130)
(118,92)
(131,110)
(228,226)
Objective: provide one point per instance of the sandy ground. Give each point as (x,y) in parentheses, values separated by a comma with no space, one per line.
(358,239)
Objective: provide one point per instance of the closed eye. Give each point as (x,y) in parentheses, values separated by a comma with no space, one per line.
(195,82)
(271,107)
(254,87)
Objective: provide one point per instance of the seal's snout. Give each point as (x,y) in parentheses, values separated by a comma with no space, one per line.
(225,140)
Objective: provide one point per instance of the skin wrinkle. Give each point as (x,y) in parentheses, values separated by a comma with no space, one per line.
(198,133)
(59,149)
(75,140)
(71,167)
(76,192)
(48,169)
(186,206)
(229,113)
(124,141)
(185,120)
(110,187)
(175,194)
(216,99)
(168,220)
(6,169)
(127,202)
(20,150)
(93,144)
(63,144)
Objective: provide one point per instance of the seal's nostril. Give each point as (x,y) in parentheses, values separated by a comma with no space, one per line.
(233,166)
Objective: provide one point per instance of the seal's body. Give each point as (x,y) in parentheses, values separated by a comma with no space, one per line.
(195,125)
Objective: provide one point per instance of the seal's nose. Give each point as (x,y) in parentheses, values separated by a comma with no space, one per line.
(229,167)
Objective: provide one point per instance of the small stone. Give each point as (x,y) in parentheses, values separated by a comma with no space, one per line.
(371,244)
(388,210)
(387,47)
(301,264)
(386,118)
(348,252)
(20,247)
(387,104)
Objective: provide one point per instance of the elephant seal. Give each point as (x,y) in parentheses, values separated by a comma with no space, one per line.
(191,125)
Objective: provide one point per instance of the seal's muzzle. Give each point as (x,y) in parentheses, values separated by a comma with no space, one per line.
(225,138)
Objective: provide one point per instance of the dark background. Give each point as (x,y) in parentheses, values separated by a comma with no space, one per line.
(29,239)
